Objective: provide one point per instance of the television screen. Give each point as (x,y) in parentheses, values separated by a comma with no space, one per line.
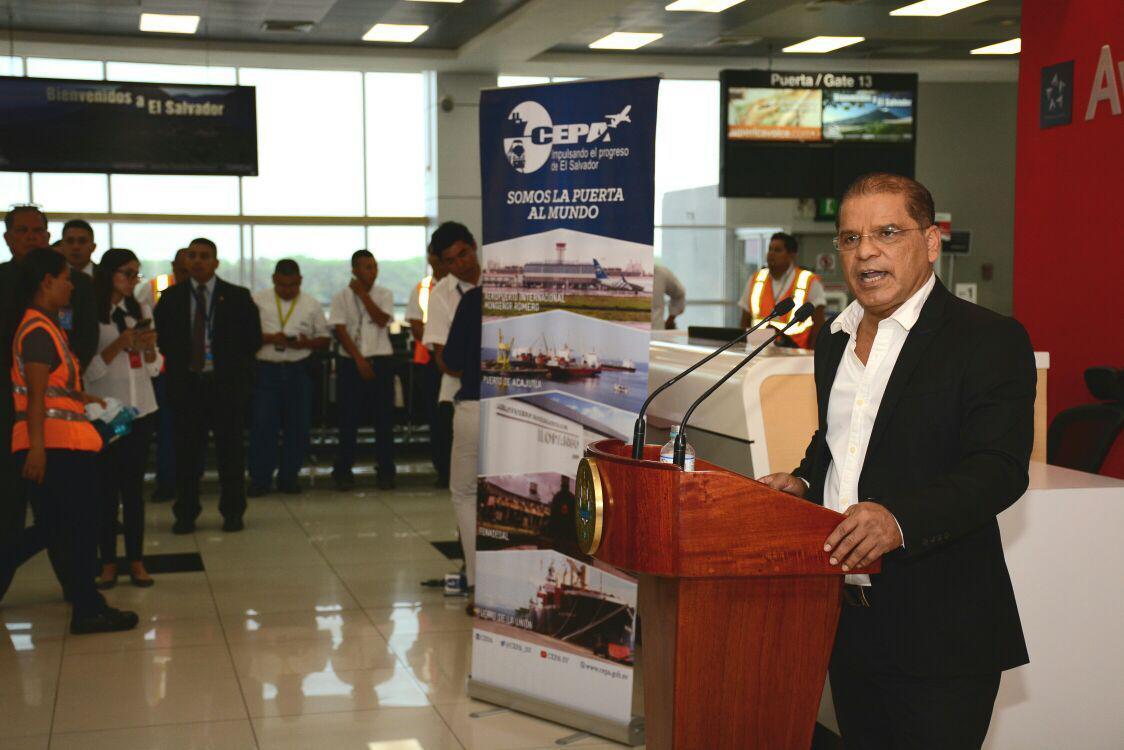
(865,115)
(809,134)
(756,114)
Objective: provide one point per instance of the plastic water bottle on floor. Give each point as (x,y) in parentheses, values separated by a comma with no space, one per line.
(667,452)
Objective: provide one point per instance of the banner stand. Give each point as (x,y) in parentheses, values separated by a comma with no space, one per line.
(631,734)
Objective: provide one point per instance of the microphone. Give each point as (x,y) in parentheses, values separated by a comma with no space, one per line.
(680,455)
(638,430)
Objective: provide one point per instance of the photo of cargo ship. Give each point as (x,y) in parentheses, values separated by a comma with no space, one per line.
(568,609)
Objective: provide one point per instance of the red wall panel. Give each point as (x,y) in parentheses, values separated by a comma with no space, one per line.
(1069,199)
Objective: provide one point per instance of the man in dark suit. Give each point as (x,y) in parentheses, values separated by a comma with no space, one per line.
(925,430)
(209,332)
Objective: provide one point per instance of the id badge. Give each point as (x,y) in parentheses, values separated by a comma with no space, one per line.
(209,356)
(66,318)
(135,360)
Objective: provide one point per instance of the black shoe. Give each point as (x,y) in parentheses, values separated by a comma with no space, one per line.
(183,526)
(257,490)
(109,620)
(290,488)
(232,525)
(344,482)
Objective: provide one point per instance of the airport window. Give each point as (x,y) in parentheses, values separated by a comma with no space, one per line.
(310,155)
(156,73)
(70,193)
(395,144)
(11,66)
(324,254)
(49,67)
(400,252)
(174,194)
(14,188)
(156,244)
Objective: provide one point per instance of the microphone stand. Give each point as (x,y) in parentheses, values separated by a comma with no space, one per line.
(680,455)
(638,429)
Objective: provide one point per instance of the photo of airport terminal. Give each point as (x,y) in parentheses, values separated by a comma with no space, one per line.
(568,270)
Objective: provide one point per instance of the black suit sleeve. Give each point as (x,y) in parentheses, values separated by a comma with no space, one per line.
(996,433)
(252,330)
(84,336)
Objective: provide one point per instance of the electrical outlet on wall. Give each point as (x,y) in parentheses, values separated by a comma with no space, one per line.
(966,291)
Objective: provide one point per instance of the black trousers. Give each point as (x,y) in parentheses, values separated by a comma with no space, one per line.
(202,405)
(879,707)
(65,510)
(368,402)
(441,435)
(122,483)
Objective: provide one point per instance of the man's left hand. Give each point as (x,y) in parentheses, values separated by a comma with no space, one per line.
(868,532)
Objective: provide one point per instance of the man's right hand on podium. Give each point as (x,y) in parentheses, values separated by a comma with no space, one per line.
(789,483)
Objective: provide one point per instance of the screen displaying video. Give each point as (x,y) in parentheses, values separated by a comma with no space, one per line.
(768,114)
(865,115)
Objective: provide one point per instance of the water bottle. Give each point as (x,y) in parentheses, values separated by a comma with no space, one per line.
(667,452)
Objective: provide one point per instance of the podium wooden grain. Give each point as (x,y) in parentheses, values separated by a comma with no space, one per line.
(738,602)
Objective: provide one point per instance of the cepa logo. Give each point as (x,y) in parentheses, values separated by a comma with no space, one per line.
(530,134)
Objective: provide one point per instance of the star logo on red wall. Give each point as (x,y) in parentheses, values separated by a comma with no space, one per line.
(1056,100)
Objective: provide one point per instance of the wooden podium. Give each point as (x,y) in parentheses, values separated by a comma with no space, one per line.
(738,602)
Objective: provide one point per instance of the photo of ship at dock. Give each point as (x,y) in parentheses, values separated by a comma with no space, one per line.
(554,600)
(586,274)
(565,351)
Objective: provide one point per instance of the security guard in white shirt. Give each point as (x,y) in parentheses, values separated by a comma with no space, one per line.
(361,316)
(292,326)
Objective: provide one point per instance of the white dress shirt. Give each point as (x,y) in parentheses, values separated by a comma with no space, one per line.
(856,396)
(303,316)
(664,282)
(132,386)
(781,286)
(348,310)
(443,301)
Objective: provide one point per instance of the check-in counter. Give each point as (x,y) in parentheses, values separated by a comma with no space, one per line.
(1061,539)
(761,419)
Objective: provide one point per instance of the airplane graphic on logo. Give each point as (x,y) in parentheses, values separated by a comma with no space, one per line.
(615,120)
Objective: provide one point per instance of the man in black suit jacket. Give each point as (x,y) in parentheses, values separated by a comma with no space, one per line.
(925,430)
(209,332)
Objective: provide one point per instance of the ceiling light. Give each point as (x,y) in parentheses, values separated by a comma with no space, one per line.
(394,32)
(164,23)
(822,44)
(703,6)
(1009,47)
(625,40)
(934,7)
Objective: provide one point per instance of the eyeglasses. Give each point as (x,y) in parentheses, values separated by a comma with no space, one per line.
(130,275)
(848,242)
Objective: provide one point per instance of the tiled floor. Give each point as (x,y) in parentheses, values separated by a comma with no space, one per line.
(307,630)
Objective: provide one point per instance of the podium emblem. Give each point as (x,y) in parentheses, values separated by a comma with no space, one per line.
(589,514)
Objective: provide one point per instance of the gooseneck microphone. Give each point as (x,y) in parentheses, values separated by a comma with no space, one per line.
(680,455)
(638,429)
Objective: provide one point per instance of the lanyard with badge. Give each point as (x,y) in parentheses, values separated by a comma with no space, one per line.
(283,318)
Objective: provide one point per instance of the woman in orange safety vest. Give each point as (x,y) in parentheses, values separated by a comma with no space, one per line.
(56,448)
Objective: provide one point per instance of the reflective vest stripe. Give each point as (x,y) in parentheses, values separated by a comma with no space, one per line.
(800,288)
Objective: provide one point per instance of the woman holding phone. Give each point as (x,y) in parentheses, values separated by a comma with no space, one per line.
(123,369)
(56,447)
